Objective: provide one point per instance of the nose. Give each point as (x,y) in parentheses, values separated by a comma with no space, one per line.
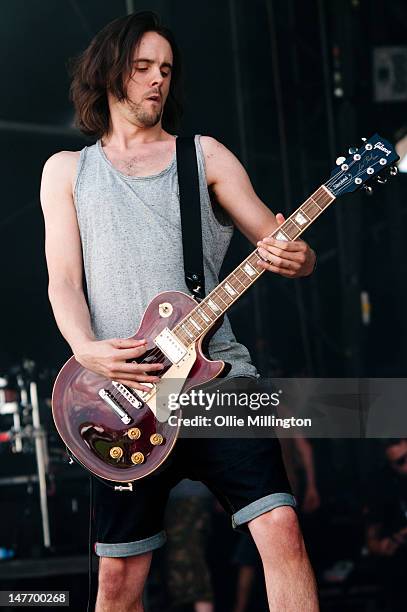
(157,78)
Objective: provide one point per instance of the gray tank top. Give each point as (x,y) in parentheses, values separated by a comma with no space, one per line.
(131,237)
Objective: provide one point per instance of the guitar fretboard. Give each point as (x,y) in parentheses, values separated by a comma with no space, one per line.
(212,307)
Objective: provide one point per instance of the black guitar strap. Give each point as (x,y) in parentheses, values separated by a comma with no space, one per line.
(190,207)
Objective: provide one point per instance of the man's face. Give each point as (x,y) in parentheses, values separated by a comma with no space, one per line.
(397,457)
(149,82)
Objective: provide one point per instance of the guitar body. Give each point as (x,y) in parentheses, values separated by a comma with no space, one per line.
(94,432)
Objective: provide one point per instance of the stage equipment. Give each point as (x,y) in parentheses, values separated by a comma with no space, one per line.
(25,436)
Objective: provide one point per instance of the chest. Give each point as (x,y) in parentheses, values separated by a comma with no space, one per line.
(142,161)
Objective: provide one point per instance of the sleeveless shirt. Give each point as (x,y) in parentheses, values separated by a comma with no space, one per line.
(130,229)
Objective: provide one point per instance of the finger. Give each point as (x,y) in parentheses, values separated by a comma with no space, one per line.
(135,377)
(130,353)
(124,343)
(276,269)
(137,368)
(285,245)
(279,262)
(280,218)
(132,384)
(300,255)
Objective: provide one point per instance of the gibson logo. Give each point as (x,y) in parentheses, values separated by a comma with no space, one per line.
(343,180)
(380,145)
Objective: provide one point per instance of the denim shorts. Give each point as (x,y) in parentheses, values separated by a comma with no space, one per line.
(247,476)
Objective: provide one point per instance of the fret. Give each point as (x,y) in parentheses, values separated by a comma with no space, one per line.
(301,218)
(201,312)
(181,335)
(231,290)
(324,198)
(249,270)
(252,259)
(236,277)
(186,331)
(220,297)
(290,229)
(214,306)
(311,209)
(201,321)
(189,325)
(280,235)
(194,323)
(315,202)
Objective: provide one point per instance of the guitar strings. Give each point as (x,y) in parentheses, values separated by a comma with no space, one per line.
(156,352)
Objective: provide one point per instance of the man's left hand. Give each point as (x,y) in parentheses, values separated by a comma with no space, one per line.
(292,259)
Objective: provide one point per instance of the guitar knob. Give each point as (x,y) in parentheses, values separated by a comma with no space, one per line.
(156,439)
(393,170)
(134,433)
(368,190)
(116,452)
(137,458)
(340,160)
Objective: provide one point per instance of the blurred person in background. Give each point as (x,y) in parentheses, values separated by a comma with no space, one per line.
(186,570)
(386,522)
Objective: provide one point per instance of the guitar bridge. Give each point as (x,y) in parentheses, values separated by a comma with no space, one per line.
(115,406)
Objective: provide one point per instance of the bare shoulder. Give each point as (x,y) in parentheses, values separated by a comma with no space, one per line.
(219,160)
(213,148)
(60,169)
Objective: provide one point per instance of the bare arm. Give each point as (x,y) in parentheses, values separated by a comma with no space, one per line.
(234,192)
(64,260)
(63,250)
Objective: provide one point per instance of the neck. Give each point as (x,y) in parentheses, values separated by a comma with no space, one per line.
(123,136)
(210,309)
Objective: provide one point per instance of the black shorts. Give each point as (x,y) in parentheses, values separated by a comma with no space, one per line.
(247,476)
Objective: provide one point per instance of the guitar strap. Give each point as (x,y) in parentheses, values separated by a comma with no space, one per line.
(190,208)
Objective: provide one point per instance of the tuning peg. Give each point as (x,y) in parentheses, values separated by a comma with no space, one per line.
(363,139)
(353,150)
(340,160)
(368,189)
(381,179)
(393,170)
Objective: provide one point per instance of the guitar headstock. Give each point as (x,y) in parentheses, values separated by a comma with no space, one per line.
(372,161)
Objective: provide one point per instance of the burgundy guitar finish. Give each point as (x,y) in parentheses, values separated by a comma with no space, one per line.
(90,428)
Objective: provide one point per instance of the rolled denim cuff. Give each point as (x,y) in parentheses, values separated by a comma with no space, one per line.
(128,549)
(262,505)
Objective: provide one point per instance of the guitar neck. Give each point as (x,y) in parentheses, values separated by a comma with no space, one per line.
(212,307)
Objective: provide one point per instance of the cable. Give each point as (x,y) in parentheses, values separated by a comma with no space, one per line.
(90,544)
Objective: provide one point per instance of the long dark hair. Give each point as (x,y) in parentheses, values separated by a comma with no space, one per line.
(104,65)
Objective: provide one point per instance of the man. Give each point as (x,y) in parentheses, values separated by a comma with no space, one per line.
(386,522)
(113,208)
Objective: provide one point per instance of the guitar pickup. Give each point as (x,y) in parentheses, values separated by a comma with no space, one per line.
(128,395)
(115,406)
(169,344)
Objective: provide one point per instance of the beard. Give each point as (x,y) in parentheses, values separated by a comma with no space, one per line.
(143,116)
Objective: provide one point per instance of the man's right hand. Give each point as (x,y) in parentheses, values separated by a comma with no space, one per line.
(110,358)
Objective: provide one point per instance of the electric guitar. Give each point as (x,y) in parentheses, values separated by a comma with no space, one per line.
(122,434)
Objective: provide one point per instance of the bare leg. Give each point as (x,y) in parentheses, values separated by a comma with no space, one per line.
(203,606)
(290,581)
(121,583)
(244,587)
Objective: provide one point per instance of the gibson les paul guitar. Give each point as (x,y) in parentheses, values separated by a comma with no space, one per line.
(122,434)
